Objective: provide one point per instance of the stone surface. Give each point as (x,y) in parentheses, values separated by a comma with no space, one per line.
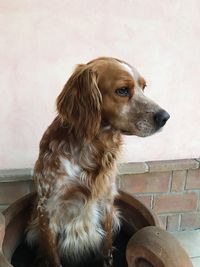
(15,175)
(146,183)
(178,181)
(169,165)
(196,261)
(164,220)
(183,202)
(193,179)
(190,240)
(190,221)
(173,222)
(133,168)
(146,199)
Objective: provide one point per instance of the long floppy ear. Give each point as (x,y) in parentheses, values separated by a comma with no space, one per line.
(79,103)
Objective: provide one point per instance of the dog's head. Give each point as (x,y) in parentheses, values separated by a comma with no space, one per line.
(108,92)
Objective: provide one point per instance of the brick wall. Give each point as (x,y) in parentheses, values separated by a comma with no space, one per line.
(170,188)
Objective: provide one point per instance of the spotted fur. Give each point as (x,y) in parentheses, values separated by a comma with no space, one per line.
(76,169)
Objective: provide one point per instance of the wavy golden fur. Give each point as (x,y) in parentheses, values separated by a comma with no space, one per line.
(75,173)
(79,103)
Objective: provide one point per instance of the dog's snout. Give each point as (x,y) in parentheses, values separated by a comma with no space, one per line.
(161,117)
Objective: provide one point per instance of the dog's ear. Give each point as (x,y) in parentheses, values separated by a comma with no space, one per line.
(79,103)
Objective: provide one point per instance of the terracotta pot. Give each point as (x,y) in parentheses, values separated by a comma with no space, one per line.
(147,246)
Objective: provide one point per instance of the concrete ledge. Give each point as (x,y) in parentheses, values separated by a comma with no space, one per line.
(133,168)
(14,175)
(158,166)
(173,165)
(123,168)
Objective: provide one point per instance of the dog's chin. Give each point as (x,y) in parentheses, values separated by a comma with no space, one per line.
(150,132)
(140,133)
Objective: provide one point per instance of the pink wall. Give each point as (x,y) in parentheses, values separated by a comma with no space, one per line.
(41,41)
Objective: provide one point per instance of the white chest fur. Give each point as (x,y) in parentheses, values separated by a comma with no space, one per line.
(77,221)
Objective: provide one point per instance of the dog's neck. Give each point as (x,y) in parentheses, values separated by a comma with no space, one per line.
(58,139)
(96,160)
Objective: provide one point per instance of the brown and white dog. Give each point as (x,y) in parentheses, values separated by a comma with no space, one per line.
(75,172)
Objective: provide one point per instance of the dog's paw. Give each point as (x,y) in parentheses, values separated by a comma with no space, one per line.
(108,261)
(108,264)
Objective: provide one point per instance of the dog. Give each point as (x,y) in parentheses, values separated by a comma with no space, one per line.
(74,215)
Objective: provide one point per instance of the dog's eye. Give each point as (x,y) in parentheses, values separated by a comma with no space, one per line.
(123,91)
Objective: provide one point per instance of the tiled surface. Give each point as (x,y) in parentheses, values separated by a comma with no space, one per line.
(190,240)
(196,262)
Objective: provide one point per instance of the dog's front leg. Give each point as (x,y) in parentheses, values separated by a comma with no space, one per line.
(107,249)
(48,252)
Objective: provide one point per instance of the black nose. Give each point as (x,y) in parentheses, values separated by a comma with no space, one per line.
(161,118)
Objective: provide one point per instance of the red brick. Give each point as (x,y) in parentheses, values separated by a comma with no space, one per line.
(178,181)
(190,221)
(176,203)
(145,199)
(193,179)
(164,220)
(11,191)
(146,183)
(173,222)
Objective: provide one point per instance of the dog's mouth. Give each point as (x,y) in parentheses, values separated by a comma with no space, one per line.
(126,132)
(144,132)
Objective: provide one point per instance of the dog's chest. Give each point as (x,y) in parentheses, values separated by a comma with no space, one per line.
(73,199)
(78,219)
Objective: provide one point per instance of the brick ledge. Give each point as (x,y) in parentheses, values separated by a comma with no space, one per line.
(159,166)
(12,175)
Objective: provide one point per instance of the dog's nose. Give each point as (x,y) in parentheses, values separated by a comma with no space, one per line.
(161,118)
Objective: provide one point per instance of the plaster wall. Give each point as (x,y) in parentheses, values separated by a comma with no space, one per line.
(42,41)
